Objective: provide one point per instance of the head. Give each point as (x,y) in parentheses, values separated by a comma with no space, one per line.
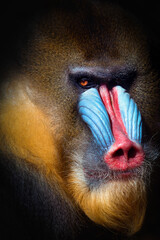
(76,55)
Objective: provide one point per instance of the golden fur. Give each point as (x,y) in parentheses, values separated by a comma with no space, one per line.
(25,130)
(119,205)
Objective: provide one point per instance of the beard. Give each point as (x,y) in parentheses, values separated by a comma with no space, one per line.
(118,204)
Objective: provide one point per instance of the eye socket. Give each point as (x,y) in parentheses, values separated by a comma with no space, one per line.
(85,82)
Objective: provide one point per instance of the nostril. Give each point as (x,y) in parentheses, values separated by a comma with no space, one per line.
(127,156)
(118,153)
(132,153)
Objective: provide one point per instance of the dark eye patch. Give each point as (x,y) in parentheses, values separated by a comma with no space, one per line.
(86,82)
(82,80)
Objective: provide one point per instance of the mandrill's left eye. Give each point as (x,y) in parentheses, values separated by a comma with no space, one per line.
(85,82)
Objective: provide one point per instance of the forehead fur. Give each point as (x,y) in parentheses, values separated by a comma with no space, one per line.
(95,29)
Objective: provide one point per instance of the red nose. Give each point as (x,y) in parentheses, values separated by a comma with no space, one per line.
(124,154)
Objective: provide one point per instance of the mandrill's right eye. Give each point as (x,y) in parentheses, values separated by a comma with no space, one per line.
(86,82)
(83,79)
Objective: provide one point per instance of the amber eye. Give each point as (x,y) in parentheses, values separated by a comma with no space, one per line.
(86,82)
(83,82)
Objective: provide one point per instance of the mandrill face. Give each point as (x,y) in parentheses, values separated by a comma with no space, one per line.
(110,185)
(108,178)
(83,99)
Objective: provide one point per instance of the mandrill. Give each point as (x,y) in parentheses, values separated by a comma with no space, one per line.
(77,118)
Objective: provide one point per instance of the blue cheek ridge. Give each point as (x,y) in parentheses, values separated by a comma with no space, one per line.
(94,114)
(130,115)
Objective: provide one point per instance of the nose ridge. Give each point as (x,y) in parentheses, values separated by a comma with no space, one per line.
(124,154)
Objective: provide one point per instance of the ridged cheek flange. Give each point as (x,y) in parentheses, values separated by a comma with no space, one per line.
(94,114)
(105,111)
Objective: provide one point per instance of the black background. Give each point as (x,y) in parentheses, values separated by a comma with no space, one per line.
(14,16)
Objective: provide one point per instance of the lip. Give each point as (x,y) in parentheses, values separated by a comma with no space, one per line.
(111,175)
(95,174)
(123,174)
